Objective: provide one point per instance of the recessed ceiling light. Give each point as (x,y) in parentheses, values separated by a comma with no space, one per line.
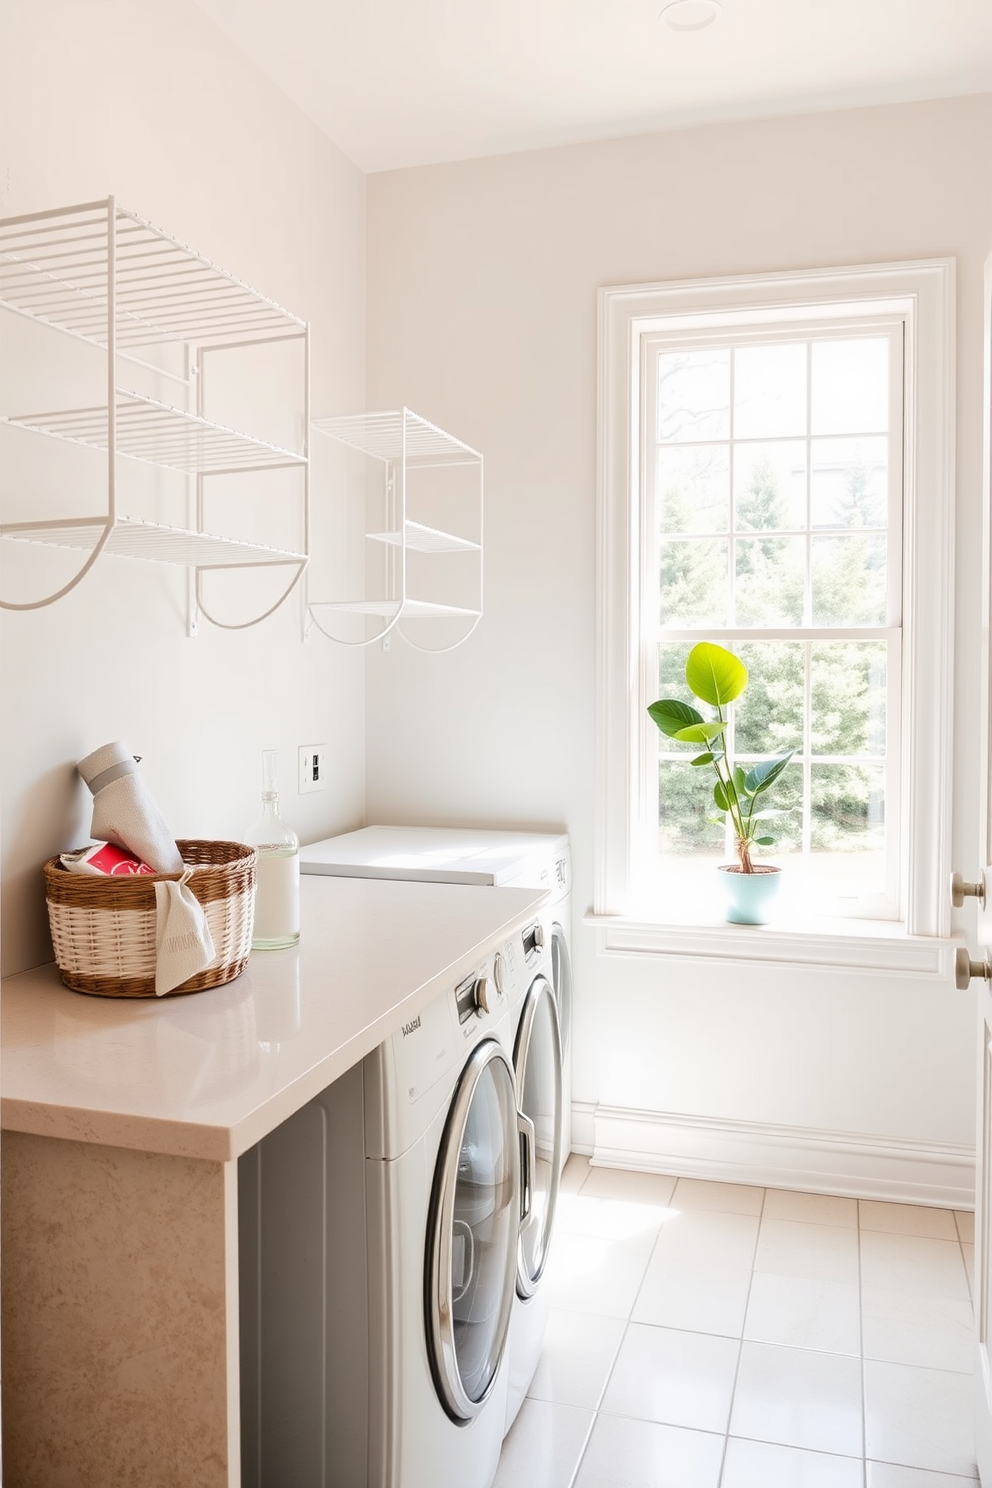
(690,15)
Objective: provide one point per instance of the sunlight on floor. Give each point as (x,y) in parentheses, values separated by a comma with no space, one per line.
(717,1335)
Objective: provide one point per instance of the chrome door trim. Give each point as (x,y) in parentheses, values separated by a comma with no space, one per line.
(561,961)
(540,988)
(438,1299)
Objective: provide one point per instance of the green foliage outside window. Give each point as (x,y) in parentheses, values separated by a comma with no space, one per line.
(845,678)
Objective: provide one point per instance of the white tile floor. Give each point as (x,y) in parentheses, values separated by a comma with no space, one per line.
(711,1335)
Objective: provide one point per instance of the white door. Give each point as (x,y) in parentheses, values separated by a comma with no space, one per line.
(979,974)
(983,1291)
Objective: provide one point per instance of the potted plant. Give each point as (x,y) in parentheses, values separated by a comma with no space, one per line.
(716,677)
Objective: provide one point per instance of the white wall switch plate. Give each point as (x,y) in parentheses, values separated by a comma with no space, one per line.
(313,767)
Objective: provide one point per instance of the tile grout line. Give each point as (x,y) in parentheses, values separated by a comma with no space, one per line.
(740,1341)
(861,1353)
(609,1373)
(967,1273)
(595,1414)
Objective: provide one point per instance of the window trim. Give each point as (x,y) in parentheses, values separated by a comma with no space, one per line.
(924,292)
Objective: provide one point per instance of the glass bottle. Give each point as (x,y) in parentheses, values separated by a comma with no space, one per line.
(277,871)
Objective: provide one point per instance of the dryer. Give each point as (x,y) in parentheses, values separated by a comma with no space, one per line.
(473,855)
(394,1198)
(537,1067)
(537,969)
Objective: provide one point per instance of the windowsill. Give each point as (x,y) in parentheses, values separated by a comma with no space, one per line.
(844,945)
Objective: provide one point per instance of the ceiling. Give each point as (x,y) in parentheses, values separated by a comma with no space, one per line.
(396,83)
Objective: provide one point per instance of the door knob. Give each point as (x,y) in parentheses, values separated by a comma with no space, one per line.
(965,969)
(962,890)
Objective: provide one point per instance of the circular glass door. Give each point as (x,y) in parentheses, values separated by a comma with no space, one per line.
(561,974)
(471,1243)
(537,1062)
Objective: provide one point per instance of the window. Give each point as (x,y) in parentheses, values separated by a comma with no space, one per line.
(771,500)
(776,476)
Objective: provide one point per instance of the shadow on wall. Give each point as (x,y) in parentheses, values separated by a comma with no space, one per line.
(53,816)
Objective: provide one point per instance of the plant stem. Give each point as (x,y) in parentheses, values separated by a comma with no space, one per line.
(734,808)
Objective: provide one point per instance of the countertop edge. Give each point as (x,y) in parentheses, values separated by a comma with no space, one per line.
(220,1142)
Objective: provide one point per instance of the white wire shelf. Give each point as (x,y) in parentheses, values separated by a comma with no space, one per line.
(385,609)
(55,267)
(160,435)
(381,435)
(403,442)
(422,539)
(154,542)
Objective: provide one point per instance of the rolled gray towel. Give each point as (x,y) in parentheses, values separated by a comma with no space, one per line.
(123,809)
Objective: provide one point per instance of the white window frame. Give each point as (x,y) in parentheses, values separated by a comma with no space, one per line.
(923,294)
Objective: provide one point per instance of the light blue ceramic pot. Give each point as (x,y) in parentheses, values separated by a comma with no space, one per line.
(750,895)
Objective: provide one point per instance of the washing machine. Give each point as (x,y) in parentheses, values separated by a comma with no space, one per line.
(379,1231)
(473,856)
(537,972)
(525,966)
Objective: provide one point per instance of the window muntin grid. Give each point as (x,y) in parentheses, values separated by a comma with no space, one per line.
(772,524)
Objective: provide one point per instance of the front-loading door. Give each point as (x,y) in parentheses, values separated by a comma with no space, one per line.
(472,1235)
(537,1063)
(561,975)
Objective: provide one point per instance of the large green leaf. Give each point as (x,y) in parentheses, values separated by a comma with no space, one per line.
(670,715)
(763,774)
(703,759)
(720,796)
(714,674)
(700,733)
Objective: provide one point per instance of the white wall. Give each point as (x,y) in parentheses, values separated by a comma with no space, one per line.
(482,281)
(153,103)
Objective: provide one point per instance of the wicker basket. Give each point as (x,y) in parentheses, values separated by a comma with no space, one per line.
(103,928)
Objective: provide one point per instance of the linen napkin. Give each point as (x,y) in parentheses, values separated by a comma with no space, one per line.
(183,943)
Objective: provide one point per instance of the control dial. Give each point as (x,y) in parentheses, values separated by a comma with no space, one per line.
(480,996)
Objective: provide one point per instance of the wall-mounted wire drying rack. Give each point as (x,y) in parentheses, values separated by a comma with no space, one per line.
(103,275)
(404,444)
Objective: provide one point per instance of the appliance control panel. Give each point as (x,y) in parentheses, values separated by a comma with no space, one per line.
(533,940)
(481,995)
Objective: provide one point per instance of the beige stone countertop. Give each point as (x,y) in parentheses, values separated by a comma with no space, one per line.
(208,1075)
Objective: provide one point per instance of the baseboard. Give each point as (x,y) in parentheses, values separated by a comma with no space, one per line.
(814,1160)
(584,1127)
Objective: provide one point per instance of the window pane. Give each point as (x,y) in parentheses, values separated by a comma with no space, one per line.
(848,808)
(770,485)
(849,483)
(850,386)
(693,395)
(849,577)
(771,578)
(693,488)
(785,795)
(671,678)
(847,686)
(693,582)
(685,803)
(769,716)
(770,390)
